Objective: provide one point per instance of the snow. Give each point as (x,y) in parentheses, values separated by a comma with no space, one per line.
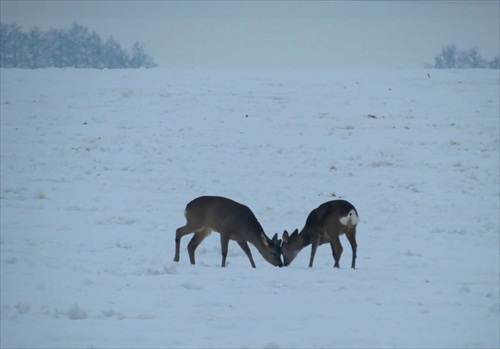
(98,166)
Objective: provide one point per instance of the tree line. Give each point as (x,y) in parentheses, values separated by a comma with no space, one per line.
(450,58)
(76,48)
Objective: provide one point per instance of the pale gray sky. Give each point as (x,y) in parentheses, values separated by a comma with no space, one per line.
(257,34)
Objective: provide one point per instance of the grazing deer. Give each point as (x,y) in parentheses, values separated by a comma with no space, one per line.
(324,224)
(233,221)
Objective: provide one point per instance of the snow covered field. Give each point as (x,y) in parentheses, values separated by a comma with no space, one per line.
(97,167)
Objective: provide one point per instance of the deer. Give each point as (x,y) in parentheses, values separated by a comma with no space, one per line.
(233,221)
(324,224)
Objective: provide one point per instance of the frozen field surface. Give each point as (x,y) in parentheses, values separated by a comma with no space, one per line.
(97,167)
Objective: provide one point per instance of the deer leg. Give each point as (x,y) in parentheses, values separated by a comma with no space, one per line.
(336,251)
(246,249)
(224,243)
(195,241)
(351,236)
(179,233)
(333,254)
(314,247)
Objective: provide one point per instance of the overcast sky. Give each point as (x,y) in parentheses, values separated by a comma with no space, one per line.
(257,34)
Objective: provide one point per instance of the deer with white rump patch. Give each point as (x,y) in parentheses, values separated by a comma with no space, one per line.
(233,221)
(324,224)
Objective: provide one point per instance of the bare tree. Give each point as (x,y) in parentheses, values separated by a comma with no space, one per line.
(76,47)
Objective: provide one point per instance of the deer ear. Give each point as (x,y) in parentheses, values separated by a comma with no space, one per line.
(275,238)
(264,239)
(285,236)
(295,232)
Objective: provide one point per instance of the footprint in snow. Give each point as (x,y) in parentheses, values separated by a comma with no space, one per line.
(188,285)
(172,269)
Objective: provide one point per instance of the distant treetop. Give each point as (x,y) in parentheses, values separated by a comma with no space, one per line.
(76,47)
(451,58)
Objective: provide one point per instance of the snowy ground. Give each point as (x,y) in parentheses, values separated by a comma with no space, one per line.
(97,167)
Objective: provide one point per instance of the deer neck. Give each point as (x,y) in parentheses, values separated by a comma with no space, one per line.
(302,240)
(256,240)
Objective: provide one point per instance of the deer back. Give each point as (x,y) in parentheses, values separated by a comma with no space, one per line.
(222,215)
(333,217)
